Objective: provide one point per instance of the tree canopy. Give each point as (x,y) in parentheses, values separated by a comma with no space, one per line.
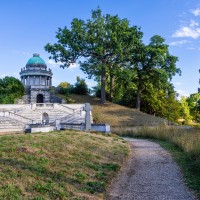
(104,41)
(128,71)
(153,63)
(11,89)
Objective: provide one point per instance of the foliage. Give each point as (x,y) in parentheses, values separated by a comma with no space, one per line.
(71,165)
(153,63)
(194,106)
(11,89)
(185,110)
(112,52)
(161,102)
(103,40)
(80,87)
(64,88)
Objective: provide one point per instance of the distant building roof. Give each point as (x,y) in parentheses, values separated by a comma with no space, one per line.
(36,60)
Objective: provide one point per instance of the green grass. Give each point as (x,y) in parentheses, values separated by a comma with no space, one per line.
(184,146)
(59,165)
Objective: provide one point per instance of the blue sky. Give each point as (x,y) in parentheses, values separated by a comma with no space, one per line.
(27,25)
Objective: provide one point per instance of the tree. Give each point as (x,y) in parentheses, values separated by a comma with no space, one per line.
(161,101)
(11,89)
(153,63)
(80,87)
(194,105)
(185,110)
(104,41)
(64,88)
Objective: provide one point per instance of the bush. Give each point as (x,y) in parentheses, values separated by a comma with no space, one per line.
(80,87)
(11,89)
(64,88)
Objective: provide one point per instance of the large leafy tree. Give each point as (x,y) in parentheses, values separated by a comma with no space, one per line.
(194,106)
(153,63)
(185,110)
(103,42)
(161,101)
(10,90)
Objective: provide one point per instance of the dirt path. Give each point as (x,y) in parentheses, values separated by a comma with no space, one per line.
(150,174)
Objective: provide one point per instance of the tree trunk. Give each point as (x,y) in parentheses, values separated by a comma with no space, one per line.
(103,86)
(111,87)
(139,92)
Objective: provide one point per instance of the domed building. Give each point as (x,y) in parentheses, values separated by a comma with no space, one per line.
(37,80)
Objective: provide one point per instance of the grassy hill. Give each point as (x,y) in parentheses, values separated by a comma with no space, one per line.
(117,116)
(59,165)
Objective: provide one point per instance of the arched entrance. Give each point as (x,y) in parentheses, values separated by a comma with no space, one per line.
(45,118)
(40,98)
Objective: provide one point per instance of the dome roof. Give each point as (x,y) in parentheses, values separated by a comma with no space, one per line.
(36,60)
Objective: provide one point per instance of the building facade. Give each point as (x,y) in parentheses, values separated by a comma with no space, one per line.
(37,80)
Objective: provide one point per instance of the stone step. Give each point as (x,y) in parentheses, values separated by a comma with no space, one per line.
(7,123)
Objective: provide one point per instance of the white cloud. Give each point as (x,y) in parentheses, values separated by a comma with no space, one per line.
(178,43)
(55,81)
(178,83)
(26,53)
(14,74)
(53,63)
(57,64)
(74,65)
(196,12)
(21,52)
(191,48)
(192,30)
(90,83)
(3,75)
(182,93)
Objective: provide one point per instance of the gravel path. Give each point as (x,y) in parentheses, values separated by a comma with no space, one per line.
(149,174)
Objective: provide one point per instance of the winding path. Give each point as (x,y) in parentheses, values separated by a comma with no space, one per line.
(149,174)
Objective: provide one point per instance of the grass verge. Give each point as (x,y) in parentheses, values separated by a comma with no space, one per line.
(188,167)
(59,165)
(184,146)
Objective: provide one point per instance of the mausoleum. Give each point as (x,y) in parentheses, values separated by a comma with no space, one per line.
(41,111)
(37,80)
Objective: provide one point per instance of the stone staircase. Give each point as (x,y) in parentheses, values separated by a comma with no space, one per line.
(17,117)
(8,125)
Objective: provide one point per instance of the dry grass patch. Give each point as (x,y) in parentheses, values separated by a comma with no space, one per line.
(59,165)
(116,115)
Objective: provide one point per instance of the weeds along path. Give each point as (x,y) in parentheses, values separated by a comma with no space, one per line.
(149,174)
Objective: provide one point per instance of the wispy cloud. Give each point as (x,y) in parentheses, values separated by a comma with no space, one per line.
(178,83)
(196,12)
(21,52)
(14,74)
(56,81)
(182,93)
(192,30)
(179,43)
(53,63)
(90,84)
(191,48)
(58,64)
